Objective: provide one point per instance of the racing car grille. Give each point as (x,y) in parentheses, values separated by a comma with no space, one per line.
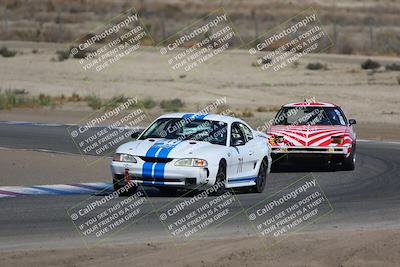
(307,149)
(313,149)
(157,160)
(157,179)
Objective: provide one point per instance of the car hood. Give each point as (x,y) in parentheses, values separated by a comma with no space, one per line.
(164,148)
(306,135)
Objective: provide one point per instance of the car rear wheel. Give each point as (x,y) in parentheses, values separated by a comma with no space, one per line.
(261,178)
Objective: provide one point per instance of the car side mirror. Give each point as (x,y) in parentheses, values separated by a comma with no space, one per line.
(135,135)
(238,142)
(352,121)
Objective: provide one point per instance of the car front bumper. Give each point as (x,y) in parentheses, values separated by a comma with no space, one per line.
(331,150)
(161,175)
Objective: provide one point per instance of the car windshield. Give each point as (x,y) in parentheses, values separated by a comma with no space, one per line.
(310,116)
(214,132)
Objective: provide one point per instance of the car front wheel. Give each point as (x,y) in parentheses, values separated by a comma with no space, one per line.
(261,179)
(221,178)
(349,163)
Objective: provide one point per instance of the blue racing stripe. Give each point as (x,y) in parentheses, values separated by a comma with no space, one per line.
(187,116)
(201,116)
(165,150)
(241,179)
(194,116)
(153,149)
(160,167)
(147,170)
(159,171)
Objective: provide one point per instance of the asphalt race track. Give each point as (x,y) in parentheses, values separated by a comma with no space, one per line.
(366,197)
(53,137)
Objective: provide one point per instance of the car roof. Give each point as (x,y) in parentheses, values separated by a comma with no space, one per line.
(212,117)
(310,104)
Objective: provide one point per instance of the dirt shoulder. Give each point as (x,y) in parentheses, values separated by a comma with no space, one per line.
(341,248)
(370,97)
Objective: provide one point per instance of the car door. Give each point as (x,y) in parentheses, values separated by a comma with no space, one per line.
(236,151)
(250,150)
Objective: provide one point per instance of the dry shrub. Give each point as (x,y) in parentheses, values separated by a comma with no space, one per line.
(247,113)
(370,64)
(316,66)
(268,109)
(393,66)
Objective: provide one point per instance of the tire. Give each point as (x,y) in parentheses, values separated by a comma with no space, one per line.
(221,177)
(132,190)
(261,178)
(349,164)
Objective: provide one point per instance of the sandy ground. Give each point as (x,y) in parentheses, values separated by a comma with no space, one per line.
(340,248)
(368,97)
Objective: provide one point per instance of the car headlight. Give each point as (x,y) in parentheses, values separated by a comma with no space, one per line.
(337,140)
(191,162)
(124,158)
(279,139)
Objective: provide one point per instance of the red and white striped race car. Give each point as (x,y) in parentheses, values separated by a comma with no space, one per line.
(313,130)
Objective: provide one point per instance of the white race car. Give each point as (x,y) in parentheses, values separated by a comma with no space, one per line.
(193,151)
